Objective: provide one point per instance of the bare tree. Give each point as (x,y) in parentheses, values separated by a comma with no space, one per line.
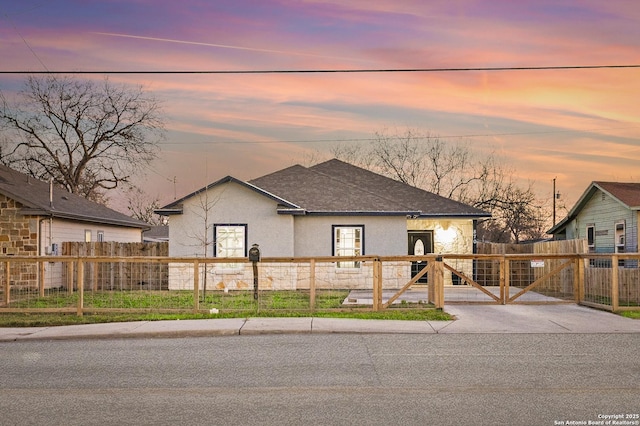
(453,170)
(143,208)
(201,231)
(521,216)
(89,137)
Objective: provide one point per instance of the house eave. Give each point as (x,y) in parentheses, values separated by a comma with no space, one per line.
(169,212)
(413,214)
(361,213)
(291,211)
(81,218)
(453,215)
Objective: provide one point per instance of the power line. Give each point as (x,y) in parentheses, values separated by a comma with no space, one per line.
(25,42)
(331,71)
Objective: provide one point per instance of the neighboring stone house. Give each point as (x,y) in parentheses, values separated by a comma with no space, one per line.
(36,218)
(606,215)
(331,209)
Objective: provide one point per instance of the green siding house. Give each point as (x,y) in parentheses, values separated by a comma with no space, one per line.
(606,215)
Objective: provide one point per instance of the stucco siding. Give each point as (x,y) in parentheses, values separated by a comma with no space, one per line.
(383,235)
(230,203)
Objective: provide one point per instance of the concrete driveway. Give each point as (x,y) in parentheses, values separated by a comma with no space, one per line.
(557,318)
(475,312)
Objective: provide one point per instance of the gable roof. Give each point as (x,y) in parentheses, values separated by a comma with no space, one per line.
(626,193)
(34,196)
(175,207)
(338,188)
(427,203)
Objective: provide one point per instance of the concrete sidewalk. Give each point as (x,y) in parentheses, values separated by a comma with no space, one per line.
(469,319)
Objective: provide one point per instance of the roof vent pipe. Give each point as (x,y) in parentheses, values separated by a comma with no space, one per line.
(51,192)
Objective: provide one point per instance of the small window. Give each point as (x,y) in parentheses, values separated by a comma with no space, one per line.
(230,241)
(620,234)
(87,235)
(100,236)
(348,241)
(591,236)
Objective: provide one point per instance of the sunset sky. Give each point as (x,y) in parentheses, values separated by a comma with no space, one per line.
(578,125)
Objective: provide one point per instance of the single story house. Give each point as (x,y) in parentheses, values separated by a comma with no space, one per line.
(330,209)
(606,215)
(37,217)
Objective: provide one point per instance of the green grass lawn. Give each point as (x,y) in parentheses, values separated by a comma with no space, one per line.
(631,314)
(156,305)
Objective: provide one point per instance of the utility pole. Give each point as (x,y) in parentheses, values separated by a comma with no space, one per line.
(554,202)
(555,195)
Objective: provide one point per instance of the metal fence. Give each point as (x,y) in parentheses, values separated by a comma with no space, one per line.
(85,284)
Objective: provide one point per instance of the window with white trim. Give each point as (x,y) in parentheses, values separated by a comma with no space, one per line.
(348,240)
(87,235)
(230,241)
(620,234)
(100,236)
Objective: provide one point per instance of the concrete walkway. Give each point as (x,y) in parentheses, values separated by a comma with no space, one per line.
(566,318)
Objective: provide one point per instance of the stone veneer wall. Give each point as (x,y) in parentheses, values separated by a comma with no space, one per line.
(289,276)
(18,237)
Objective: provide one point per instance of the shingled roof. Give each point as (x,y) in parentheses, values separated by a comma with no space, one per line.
(336,187)
(34,196)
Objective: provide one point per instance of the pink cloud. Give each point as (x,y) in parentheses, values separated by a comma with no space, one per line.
(515,110)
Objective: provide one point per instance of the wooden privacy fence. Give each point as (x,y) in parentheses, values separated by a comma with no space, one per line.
(120,275)
(606,281)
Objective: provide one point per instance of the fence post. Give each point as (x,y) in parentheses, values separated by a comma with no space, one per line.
(507,280)
(615,300)
(377,284)
(430,283)
(504,280)
(41,277)
(80,281)
(7,282)
(312,284)
(578,280)
(196,285)
(438,282)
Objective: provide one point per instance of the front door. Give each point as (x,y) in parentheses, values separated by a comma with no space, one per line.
(420,243)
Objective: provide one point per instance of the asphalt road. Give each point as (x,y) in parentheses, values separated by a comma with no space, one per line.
(304,379)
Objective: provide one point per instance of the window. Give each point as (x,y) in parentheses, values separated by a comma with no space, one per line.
(100,236)
(348,241)
(620,236)
(591,237)
(87,235)
(230,241)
